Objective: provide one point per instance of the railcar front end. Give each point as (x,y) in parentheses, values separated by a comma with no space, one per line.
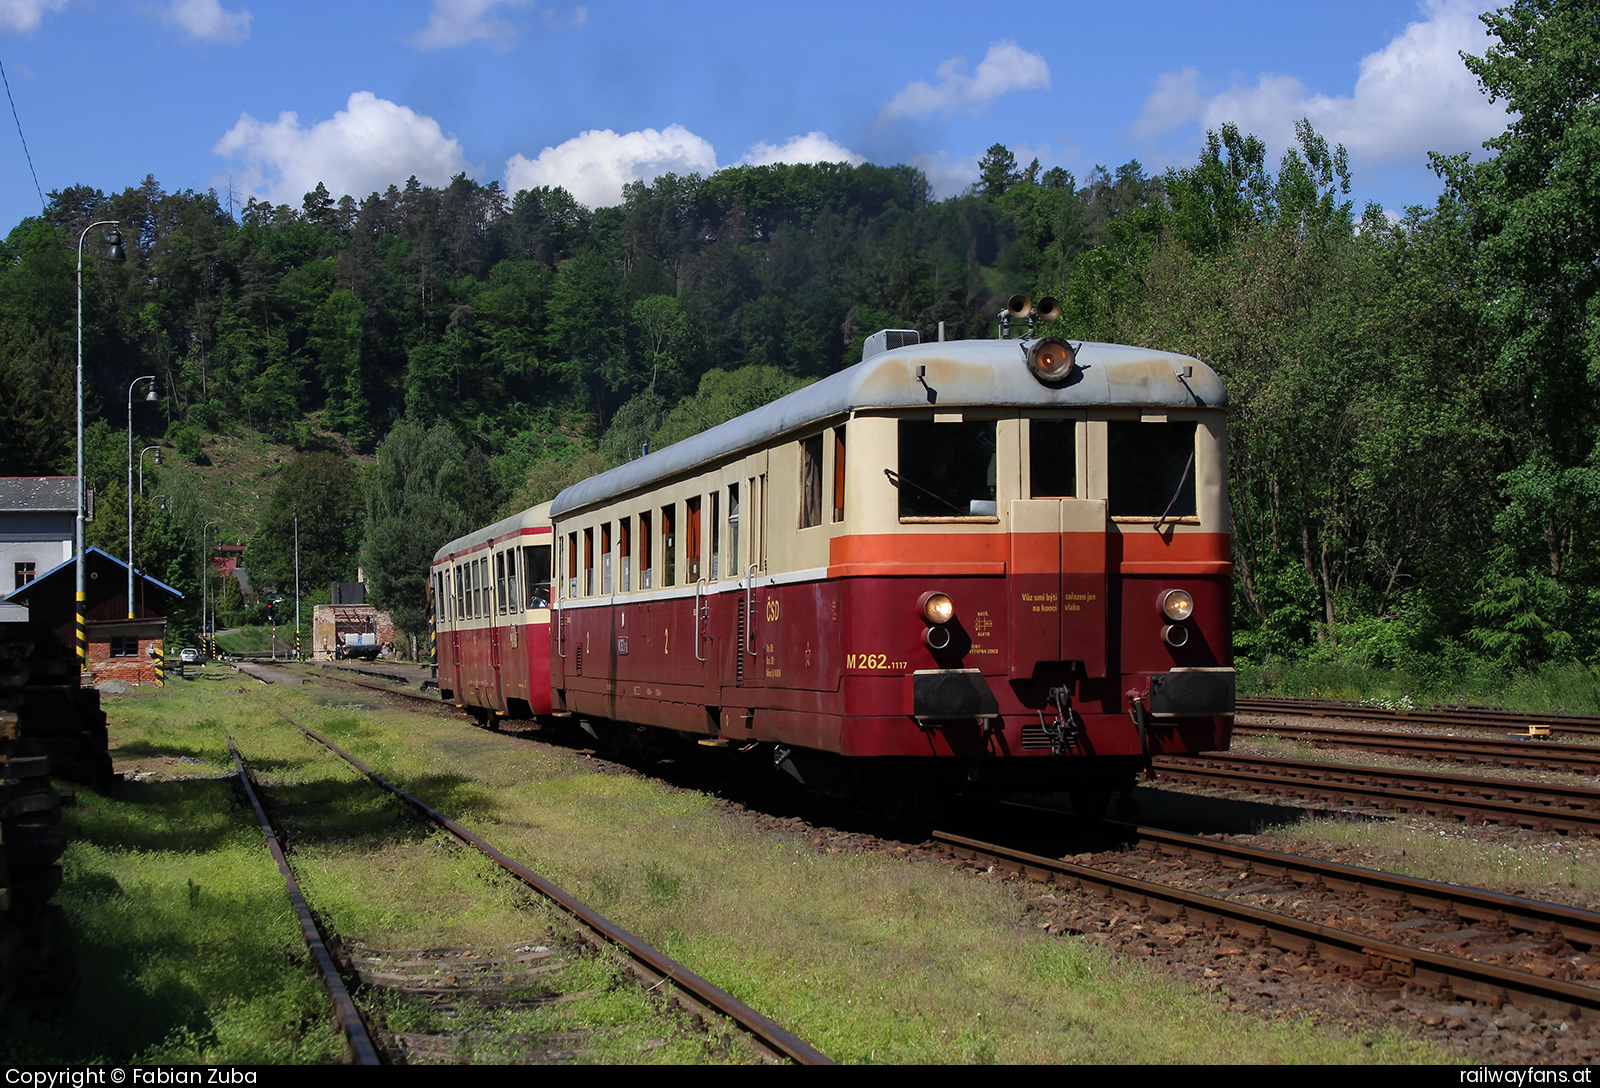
(491,611)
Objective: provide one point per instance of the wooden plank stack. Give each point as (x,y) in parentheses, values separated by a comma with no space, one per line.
(33,967)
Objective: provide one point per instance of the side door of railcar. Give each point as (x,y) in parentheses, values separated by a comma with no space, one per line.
(745,668)
(495,591)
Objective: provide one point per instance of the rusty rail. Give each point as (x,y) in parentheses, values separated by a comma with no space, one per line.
(1359,955)
(350,1022)
(1473,717)
(651,964)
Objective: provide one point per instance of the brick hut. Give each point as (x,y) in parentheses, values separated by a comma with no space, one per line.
(119,648)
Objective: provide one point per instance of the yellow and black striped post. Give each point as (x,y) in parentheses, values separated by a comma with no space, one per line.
(82,636)
(297,644)
(161,666)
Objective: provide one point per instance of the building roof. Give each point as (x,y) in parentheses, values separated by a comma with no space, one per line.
(955,374)
(20,595)
(39,493)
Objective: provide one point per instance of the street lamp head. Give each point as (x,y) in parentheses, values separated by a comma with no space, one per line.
(114,250)
(153,395)
(158,455)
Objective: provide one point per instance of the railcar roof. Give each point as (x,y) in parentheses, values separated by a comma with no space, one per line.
(960,373)
(538,515)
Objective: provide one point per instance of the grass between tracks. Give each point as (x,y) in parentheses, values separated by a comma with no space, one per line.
(1571,688)
(189,952)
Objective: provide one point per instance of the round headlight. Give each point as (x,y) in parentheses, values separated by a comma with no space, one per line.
(936,608)
(1174,636)
(1177,605)
(1052,359)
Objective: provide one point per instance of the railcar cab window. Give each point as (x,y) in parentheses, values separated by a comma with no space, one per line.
(1151,469)
(536,571)
(605,559)
(512,597)
(500,582)
(947,470)
(733,532)
(1053,458)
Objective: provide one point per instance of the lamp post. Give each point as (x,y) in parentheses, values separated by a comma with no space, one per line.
(146,450)
(205,582)
(150,396)
(297,583)
(114,252)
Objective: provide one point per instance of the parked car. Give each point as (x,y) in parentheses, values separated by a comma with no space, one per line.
(189,656)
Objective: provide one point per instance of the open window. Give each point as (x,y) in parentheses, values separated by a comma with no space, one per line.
(811,482)
(947,470)
(1151,469)
(536,572)
(1053,458)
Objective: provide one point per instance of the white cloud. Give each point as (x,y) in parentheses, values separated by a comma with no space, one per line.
(594,165)
(1006,67)
(1412,96)
(23,16)
(369,145)
(812,147)
(949,177)
(205,20)
(453,22)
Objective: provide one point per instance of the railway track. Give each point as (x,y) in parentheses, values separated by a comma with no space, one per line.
(1537,806)
(357,1040)
(1474,717)
(1483,751)
(694,993)
(1525,978)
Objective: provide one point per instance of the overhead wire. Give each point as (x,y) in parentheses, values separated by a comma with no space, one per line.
(36,187)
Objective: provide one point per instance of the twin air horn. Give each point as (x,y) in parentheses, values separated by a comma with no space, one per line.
(1021,308)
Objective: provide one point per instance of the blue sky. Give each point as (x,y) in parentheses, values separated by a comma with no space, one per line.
(275,96)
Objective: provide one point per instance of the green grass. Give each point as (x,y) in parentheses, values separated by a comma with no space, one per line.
(1572,688)
(869,958)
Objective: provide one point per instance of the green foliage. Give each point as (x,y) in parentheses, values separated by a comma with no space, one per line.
(427,488)
(325,490)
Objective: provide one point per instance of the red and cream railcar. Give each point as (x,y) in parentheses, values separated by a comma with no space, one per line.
(979,562)
(491,593)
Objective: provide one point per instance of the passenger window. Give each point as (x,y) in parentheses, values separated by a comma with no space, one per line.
(1151,469)
(668,546)
(500,582)
(588,562)
(605,559)
(645,543)
(536,572)
(734,569)
(624,553)
(572,564)
(1053,458)
(460,603)
(811,482)
(691,543)
(947,469)
(714,527)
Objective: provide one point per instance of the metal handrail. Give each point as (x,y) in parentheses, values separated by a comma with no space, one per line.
(749,609)
(699,596)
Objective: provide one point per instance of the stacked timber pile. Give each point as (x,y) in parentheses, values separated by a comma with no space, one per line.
(59,718)
(31,840)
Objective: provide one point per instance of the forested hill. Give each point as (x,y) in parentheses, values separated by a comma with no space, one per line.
(1413,430)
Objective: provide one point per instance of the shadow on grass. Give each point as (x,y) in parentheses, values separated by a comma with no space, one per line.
(143,749)
(190,815)
(359,813)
